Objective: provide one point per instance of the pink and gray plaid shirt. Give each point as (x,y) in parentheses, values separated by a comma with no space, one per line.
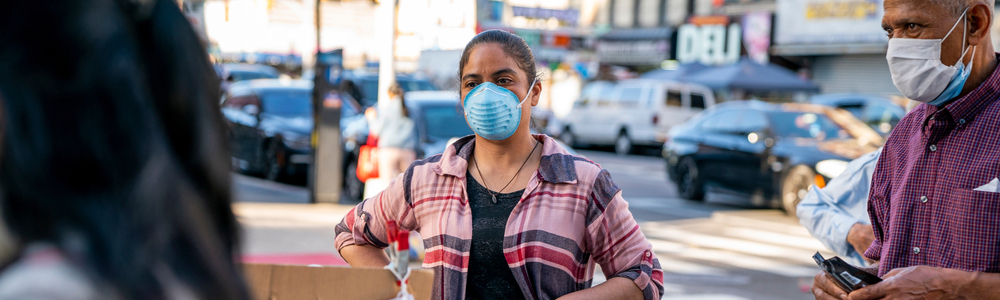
(570,217)
(923,203)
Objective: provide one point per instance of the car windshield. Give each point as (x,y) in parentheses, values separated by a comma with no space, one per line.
(445,122)
(249,75)
(855,109)
(287,102)
(792,124)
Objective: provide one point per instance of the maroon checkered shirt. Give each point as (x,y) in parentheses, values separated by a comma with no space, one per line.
(923,205)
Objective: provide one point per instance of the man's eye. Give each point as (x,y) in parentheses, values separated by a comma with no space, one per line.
(888,32)
(911,26)
(503,81)
(471,84)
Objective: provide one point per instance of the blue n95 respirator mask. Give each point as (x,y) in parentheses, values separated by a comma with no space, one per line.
(493,112)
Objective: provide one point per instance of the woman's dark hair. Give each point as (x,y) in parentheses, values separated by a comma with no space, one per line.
(512,44)
(113,148)
(397,90)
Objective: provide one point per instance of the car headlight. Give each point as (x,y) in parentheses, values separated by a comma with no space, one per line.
(831,167)
(298,142)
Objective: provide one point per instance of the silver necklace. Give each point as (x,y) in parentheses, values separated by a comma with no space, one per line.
(494,195)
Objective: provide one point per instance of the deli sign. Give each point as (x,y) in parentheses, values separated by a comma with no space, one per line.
(710,41)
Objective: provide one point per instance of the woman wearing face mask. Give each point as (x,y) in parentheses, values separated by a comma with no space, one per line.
(506,214)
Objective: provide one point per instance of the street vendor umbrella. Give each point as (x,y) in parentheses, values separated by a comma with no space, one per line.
(679,73)
(751,76)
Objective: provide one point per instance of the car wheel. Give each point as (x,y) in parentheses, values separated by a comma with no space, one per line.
(273,170)
(568,138)
(623,145)
(353,186)
(689,182)
(795,186)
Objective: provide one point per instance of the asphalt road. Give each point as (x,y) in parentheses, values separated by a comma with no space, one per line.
(718,249)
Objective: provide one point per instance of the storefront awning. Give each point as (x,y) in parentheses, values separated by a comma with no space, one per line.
(751,76)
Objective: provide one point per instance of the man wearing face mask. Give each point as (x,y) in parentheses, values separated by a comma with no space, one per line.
(934,204)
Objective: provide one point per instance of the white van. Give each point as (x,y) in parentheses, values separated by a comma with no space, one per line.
(635,112)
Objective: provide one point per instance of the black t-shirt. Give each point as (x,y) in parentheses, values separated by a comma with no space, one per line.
(489,275)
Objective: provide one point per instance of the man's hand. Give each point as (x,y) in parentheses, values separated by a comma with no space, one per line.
(825,289)
(919,282)
(861,236)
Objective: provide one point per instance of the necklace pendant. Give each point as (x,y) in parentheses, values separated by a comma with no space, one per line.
(494,199)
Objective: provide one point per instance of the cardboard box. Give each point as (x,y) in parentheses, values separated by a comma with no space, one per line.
(284,282)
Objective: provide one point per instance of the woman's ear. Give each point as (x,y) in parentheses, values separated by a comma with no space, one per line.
(536,91)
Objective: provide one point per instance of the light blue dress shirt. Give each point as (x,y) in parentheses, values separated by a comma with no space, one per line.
(830,212)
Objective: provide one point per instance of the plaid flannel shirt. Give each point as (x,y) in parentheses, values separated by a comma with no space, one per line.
(570,217)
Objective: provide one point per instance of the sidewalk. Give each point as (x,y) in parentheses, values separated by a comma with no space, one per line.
(290,233)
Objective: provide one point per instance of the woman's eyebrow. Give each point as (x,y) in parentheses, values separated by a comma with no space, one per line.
(471,76)
(504,71)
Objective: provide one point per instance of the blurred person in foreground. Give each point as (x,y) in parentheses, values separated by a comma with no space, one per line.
(113,175)
(837,215)
(396,132)
(934,202)
(506,214)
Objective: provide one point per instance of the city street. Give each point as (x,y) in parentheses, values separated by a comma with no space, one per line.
(718,249)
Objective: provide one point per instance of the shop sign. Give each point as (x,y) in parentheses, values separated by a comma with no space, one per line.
(633,52)
(568,16)
(757,35)
(711,44)
(828,22)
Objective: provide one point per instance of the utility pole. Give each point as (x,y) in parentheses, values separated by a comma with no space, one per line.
(387,38)
(326,174)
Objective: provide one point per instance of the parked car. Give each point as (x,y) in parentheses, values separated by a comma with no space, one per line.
(636,112)
(773,152)
(879,112)
(235,72)
(363,86)
(271,124)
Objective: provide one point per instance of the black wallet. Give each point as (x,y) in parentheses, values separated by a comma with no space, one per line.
(846,276)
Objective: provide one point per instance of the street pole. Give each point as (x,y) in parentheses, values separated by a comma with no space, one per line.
(385,22)
(386,65)
(326,176)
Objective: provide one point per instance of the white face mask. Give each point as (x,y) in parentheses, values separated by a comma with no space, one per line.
(917,70)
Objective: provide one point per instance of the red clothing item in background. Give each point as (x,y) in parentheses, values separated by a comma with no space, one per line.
(923,203)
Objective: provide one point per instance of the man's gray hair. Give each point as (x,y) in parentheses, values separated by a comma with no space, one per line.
(956,7)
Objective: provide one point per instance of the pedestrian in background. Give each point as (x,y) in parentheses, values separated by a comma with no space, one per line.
(506,214)
(837,215)
(934,200)
(397,135)
(114,173)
